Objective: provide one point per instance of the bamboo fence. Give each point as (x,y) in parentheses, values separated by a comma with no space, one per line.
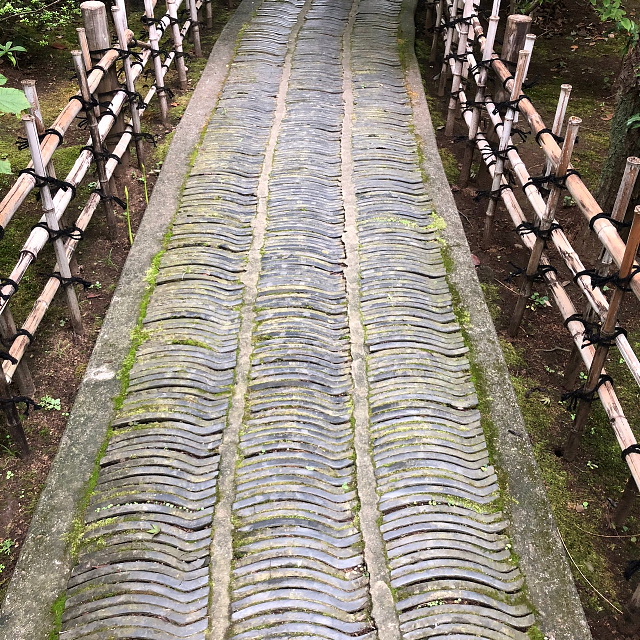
(470,60)
(103,101)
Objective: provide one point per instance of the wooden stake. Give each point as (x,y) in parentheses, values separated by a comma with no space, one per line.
(97,144)
(120,22)
(457,67)
(157,64)
(8,332)
(544,226)
(625,504)
(505,135)
(177,44)
(602,348)
(515,33)
(209,13)
(14,423)
(195,28)
(52,223)
(447,46)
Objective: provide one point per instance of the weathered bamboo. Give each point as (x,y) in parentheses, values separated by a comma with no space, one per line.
(436,30)
(120,23)
(514,37)
(558,120)
(209,13)
(467,161)
(94,16)
(97,144)
(544,226)
(448,42)
(195,28)
(505,137)
(52,223)
(13,421)
(8,332)
(602,349)
(177,43)
(457,67)
(157,64)
(29,88)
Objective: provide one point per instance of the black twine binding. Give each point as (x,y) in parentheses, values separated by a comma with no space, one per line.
(509,104)
(634,448)
(598,280)
(572,398)
(7,342)
(53,182)
(557,138)
(103,155)
(145,136)
(23,143)
(72,280)
(121,203)
(544,234)
(73,232)
(541,271)
(593,331)
(493,195)
(618,224)
(28,402)
(8,282)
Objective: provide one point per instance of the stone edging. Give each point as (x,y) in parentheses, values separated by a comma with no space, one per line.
(44,564)
(536,540)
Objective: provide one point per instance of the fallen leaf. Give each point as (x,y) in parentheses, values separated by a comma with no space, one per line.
(174,104)
(476,260)
(574,47)
(607,117)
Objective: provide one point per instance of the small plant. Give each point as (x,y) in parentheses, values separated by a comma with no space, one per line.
(6,546)
(9,475)
(9,51)
(96,285)
(50,404)
(143,179)
(127,215)
(591,465)
(538,301)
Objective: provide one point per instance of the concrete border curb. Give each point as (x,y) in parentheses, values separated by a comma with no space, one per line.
(44,565)
(550,585)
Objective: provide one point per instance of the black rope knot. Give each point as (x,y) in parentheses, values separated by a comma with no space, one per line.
(48,180)
(68,281)
(73,232)
(593,332)
(16,400)
(572,398)
(557,138)
(599,280)
(494,195)
(23,143)
(544,234)
(8,282)
(509,104)
(618,224)
(101,155)
(103,196)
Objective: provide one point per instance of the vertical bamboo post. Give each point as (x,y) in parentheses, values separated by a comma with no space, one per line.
(436,30)
(515,33)
(602,348)
(29,88)
(120,22)
(14,423)
(505,136)
(52,223)
(22,376)
(558,120)
(457,67)
(452,14)
(625,504)
(544,226)
(84,46)
(487,53)
(195,28)
(177,43)
(157,63)
(209,13)
(630,623)
(96,141)
(94,15)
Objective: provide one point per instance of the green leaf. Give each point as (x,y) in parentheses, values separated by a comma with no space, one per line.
(154,531)
(12,100)
(5,166)
(3,79)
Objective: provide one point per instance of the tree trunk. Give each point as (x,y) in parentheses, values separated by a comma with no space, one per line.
(624,142)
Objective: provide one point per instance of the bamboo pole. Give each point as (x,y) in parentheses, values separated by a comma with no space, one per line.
(8,333)
(436,30)
(209,13)
(544,225)
(195,28)
(505,136)
(29,88)
(450,14)
(457,67)
(177,43)
(467,161)
(120,23)
(52,223)
(157,64)
(602,348)
(13,421)
(558,119)
(97,144)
